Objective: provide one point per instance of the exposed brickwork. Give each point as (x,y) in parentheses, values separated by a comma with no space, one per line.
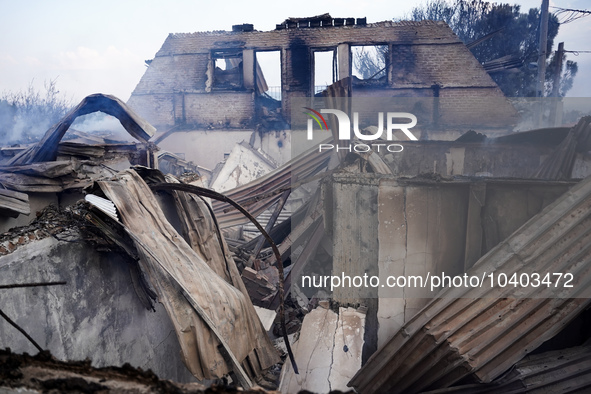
(420,32)
(157,108)
(206,109)
(446,65)
(175,73)
(9,246)
(177,87)
(473,107)
(50,221)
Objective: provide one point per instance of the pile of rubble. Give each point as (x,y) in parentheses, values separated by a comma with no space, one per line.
(44,373)
(158,271)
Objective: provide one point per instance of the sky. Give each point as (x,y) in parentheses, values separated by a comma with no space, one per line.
(100,46)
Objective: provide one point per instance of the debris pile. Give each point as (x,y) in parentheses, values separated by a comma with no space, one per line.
(210,273)
(44,373)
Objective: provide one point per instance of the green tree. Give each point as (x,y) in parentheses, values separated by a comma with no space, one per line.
(513,35)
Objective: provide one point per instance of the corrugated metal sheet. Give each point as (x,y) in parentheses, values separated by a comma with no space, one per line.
(484,331)
(13,203)
(259,195)
(202,294)
(559,371)
(560,163)
(263,219)
(47,148)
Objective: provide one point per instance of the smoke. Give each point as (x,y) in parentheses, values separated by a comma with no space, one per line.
(555,112)
(103,125)
(27,114)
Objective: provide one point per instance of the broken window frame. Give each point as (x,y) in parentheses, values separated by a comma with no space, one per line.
(257,65)
(217,73)
(335,66)
(371,80)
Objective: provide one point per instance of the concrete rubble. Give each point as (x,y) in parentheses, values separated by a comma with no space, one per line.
(183,252)
(328,349)
(43,373)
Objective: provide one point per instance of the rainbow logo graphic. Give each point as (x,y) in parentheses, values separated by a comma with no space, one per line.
(317,117)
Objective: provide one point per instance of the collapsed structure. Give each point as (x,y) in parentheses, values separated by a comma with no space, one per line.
(453,202)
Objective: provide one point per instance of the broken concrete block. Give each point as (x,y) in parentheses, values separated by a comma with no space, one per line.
(267,316)
(96,315)
(328,351)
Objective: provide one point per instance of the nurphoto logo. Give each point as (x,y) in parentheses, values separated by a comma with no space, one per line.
(392,124)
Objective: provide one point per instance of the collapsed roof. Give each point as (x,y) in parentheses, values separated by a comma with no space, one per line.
(47,148)
(434,206)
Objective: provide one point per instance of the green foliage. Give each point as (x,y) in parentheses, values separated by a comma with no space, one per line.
(518,37)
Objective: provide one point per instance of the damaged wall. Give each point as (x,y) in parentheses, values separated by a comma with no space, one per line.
(96,315)
(203,146)
(242,166)
(471,159)
(421,229)
(355,245)
(415,226)
(424,59)
(477,333)
(422,54)
(52,171)
(37,201)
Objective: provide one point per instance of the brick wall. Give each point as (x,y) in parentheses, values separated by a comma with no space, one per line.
(155,108)
(224,109)
(175,73)
(423,54)
(471,107)
(377,33)
(450,65)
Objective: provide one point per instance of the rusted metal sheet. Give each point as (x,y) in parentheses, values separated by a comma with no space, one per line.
(206,308)
(269,226)
(298,231)
(76,167)
(483,331)
(260,289)
(306,254)
(170,163)
(56,176)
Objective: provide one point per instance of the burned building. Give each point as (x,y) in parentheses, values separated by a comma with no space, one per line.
(206,86)
(489,202)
